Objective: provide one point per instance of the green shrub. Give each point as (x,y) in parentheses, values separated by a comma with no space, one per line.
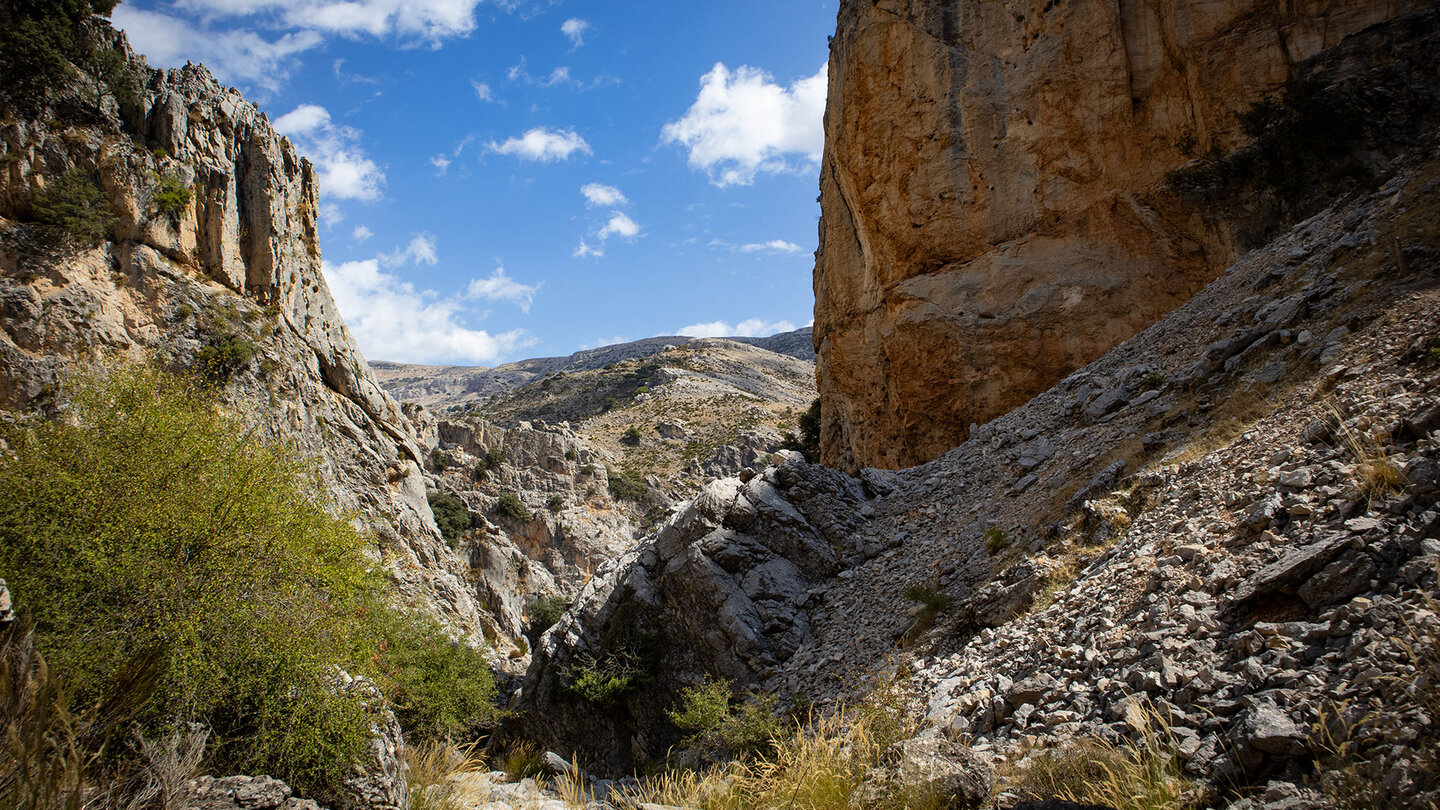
(808,442)
(996,540)
(73,207)
(451,514)
(42,40)
(544,612)
(644,389)
(431,681)
(571,455)
(631,436)
(171,196)
(629,486)
(604,683)
(720,729)
(932,601)
(149,531)
(555,503)
(223,357)
(438,462)
(510,506)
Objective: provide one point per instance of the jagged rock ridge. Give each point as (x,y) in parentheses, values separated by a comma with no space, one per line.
(237,267)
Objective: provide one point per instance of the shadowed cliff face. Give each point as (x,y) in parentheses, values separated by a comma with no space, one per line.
(994,213)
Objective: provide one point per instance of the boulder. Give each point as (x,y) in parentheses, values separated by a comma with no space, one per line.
(932,771)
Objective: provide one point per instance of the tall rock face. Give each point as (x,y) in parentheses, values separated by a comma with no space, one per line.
(994,211)
(233,274)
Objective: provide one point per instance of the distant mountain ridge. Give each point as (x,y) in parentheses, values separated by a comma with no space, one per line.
(436,385)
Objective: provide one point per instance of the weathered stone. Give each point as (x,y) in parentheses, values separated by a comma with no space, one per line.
(241,793)
(929,770)
(992,212)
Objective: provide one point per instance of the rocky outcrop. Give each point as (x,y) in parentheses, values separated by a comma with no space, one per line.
(993,207)
(721,589)
(235,273)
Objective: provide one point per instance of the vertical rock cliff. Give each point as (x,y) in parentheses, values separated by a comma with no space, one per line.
(231,277)
(994,211)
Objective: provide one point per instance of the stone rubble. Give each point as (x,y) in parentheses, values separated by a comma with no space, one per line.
(1221,565)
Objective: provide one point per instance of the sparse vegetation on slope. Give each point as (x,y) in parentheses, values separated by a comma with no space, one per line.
(180,570)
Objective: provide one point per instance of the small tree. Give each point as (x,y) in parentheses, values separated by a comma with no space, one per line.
(510,506)
(73,208)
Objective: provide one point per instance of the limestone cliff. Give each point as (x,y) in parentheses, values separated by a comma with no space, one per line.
(234,273)
(993,207)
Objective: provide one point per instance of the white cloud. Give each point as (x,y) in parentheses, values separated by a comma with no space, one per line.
(597,194)
(773,246)
(584,250)
(619,225)
(441,164)
(234,56)
(391,320)
(345,172)
(500,287)
(421,250)
(751,327)
(575,29)
(482,91)
(742,123)
(544,145)
(610,341)
(426,20)
(362,233)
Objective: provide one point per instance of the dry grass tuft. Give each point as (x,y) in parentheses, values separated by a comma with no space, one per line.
(433,768)
(818,766)
(1375,474)
(1143,776)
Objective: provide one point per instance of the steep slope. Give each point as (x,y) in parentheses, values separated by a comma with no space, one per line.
(1233,518)
(994,205)
(229,284)
(447,388)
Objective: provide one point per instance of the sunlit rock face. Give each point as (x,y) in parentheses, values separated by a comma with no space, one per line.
(994,210)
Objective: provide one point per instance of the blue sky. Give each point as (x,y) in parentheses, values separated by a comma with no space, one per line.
(513,178)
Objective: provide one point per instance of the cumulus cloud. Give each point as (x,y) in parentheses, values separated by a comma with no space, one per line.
(751,327)
(597,194)
(234,56)
(742,124)
(575,29)
(362,233)
(773,246)
(543,144)
(392,320)
(345,172)
(421,250)
(428,20)
(500,287)
(619,225)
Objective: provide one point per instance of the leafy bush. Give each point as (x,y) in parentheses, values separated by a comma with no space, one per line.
(438,462)
(510,506)
(150,532)
(73,208)
(544,612)
(720,729)
(629,486)
(631,436)
(451,514)
(171,196)
(996,540)
(431,681)
(223,357)
(42,40)
(555,503)
(605,682)
(932,602)
(808,442)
